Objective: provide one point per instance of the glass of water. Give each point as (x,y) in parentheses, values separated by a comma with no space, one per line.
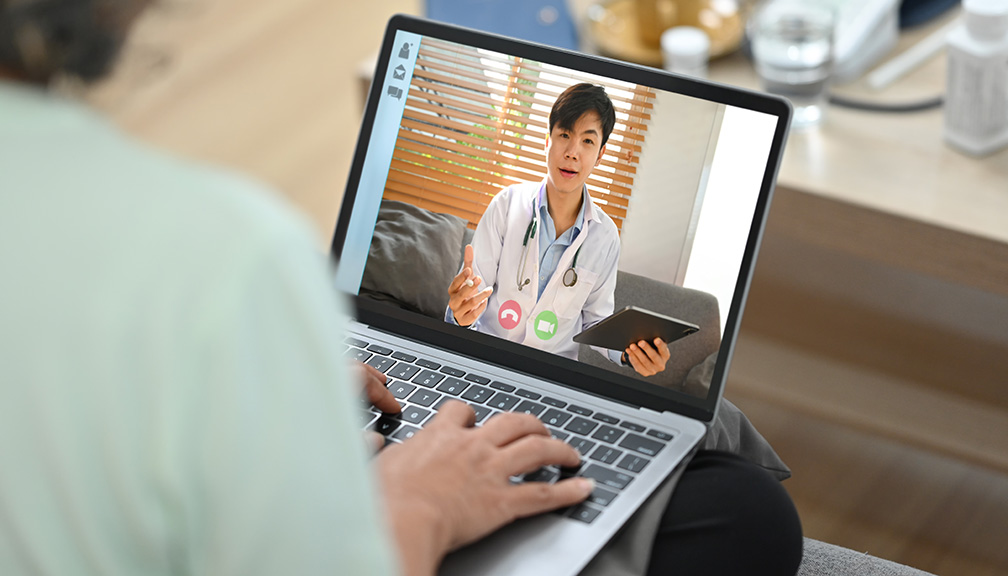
(792,47)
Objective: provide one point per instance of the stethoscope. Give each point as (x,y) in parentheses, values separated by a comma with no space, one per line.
(570,276)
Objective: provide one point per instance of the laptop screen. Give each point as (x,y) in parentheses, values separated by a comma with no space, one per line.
(458,150)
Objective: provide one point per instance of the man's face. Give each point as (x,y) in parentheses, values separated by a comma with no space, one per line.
(572,154)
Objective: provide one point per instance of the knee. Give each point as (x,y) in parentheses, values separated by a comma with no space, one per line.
(731,517)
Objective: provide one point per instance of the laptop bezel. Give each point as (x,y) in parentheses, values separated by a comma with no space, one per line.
(520,358)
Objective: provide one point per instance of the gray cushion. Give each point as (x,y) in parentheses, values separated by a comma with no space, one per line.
(822,559)
(414,255)
(694,306)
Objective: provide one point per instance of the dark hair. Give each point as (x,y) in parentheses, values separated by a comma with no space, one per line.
(573,102)
(44,39)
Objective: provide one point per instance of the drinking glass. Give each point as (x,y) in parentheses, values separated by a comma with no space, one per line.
(792,47)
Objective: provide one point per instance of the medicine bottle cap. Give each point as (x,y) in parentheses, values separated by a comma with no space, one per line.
(685,48)
(986,19)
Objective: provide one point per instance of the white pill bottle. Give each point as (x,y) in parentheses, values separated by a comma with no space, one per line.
(976,92)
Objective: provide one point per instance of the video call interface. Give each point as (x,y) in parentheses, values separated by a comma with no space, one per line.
(679,179)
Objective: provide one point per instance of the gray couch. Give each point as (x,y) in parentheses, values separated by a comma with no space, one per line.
(414,254)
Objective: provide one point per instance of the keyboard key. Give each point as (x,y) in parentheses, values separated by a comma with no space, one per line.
(502,401)
(554,417)
(367,417)
(355,342)
(606,454)
(553,402)
(379,349)
(645,446)
(380,363)
(404,356)
(527,394)
(386,424)
(608,434)
(401,389)
(403,371)
(453,386)
(453,371)
(427,363)
(477,394)
(601,496)
(570,471)
(579,410)
(415,415)
(581,426)
(632,426)
(544,474)
(428,378)
(530,407)
(633,463)
(482,412)
(584,513)
(440,403)
(558,434)
(583,445)
(407,432)
(477,379)
(358,354)
(424,397)
(606,477)
(502,386)
(606,418)
(659,434)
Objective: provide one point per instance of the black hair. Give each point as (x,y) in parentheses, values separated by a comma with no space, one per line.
(44,39)
(573,102)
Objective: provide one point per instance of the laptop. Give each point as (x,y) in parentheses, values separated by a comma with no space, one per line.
(455,115)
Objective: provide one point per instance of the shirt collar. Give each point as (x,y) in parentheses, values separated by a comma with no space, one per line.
(584,215)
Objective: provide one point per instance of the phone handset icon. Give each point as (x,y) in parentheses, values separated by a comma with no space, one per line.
(509,315)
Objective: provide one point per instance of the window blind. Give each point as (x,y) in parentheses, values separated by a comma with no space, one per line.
(476,122)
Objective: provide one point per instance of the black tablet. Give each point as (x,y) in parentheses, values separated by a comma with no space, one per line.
(632,324)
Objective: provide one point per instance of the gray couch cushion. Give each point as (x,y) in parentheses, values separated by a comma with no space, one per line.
(694,306)
(413,257)
(822,559)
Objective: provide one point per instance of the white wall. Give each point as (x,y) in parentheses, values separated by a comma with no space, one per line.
(665,189)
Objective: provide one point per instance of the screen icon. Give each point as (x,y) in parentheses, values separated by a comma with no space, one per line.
(509,315)
(545,325)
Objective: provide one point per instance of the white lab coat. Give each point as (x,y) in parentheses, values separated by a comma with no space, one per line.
(498,249)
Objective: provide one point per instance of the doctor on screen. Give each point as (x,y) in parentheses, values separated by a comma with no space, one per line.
(542,264)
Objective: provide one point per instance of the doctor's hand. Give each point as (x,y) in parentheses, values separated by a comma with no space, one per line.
(465,302)
(450,485)
(646,359)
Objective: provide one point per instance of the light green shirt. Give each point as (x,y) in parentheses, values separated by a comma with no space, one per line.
(173,398)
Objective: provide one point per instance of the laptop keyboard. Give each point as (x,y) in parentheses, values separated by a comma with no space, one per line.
(613,450)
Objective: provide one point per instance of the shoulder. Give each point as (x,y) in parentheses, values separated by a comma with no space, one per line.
(603,223)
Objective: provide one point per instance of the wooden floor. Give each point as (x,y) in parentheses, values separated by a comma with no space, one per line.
(271,89)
